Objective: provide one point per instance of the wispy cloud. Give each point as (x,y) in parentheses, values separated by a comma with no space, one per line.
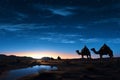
(107,20)
(57,37)
(60,38)
(97,40)
(21,16)
(57,40)
(116,40)
(10,27)
(67,41)
(62,34)
(80,27)
(62,12)
(90,40)
(46,38)
(16,27)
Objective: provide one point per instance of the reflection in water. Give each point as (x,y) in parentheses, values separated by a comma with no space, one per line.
(14,74)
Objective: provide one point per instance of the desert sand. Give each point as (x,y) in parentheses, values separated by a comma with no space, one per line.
(79,69)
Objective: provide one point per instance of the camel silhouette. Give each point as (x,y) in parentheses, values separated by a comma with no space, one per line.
(84,52)
(104,50)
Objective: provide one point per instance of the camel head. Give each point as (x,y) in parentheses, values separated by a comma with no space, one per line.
(77,51)
(93,49)
(96,52)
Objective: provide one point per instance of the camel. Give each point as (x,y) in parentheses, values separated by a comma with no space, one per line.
(84,52)
(104,50)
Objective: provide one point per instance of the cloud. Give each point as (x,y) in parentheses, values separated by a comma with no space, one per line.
(91,40)
(57,10)
(62,12)
(115,40)
(16,27)
(109,20)
(21,16)
(80,27)
(67,41)
(72,35)
(39,32)
(62,36)
(40,11)
(25,31)
(11,28)
(38,16)
(59,38)
(46,38)
(100,40)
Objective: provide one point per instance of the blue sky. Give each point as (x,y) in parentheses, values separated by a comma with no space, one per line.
(59,25)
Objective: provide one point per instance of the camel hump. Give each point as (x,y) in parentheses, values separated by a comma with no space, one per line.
(85,50)
(105,48)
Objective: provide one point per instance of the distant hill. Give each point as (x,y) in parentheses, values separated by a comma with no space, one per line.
(47,58)
(13,57)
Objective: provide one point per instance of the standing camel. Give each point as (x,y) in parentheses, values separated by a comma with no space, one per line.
(84,52)
(104,50)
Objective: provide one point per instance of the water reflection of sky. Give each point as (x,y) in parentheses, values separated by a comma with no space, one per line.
(14,74)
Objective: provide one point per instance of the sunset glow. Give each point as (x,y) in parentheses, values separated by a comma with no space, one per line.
(39,55)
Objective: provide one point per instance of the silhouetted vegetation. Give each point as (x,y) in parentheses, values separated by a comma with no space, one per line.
(58,58)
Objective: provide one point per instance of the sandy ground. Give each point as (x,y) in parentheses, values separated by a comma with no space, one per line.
(76,69)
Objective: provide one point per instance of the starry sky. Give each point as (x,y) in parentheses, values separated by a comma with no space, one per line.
(58,27)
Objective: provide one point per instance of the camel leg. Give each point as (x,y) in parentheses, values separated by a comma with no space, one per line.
(111,58)
(100,58)
(87,56)
(82,57)
(90,56)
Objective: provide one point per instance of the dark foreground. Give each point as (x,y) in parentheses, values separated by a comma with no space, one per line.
(75,69)
(13,62)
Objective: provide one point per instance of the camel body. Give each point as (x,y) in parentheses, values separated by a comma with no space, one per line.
(84,52)
(104,50)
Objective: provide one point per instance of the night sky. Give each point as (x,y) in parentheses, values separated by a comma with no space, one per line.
(58,27)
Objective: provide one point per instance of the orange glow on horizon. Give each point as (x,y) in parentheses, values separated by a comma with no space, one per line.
(39,55)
